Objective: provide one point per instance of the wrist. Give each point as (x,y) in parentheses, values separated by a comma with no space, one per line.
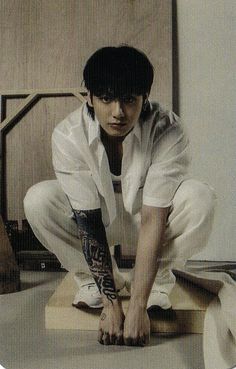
(139,296)
(114,302)
(138,302)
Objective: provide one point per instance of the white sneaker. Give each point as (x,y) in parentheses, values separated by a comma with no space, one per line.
(88,296)
(158,299)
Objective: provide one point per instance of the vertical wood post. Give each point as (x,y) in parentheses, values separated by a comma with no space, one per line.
(9,270)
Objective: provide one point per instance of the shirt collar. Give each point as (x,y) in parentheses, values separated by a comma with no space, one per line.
(137,131)
(93,129)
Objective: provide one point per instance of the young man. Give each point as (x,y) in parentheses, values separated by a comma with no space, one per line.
(121,167)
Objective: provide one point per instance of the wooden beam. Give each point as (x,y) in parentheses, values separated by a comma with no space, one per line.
(32,96)
(20,109)
(50,91)
(1,107)
(79,96)
(9,270)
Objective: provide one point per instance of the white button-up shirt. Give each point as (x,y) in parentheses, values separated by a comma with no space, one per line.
(154,163)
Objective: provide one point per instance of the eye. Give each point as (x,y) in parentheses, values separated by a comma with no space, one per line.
(106,99)
(129,100)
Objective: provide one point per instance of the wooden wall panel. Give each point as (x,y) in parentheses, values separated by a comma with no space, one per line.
(46,44)
(28,149)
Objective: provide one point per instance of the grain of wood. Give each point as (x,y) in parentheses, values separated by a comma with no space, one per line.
(189,304)
(46,44)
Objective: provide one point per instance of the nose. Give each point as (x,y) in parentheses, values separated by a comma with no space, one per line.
(117,110)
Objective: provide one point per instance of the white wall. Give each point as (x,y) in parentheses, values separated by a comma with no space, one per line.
(207,71)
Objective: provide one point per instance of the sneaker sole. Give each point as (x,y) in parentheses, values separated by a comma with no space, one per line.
(83,305)
(158,308)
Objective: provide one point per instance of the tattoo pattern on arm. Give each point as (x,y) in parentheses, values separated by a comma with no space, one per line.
(96,250)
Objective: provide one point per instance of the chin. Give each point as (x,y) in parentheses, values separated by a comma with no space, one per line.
(117,134)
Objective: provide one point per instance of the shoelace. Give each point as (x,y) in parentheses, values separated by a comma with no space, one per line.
(161,292)
(91,285)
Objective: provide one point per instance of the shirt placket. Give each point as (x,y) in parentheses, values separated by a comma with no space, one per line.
(106,181)
(131,169)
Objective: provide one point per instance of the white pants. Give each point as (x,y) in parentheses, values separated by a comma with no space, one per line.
(187,231)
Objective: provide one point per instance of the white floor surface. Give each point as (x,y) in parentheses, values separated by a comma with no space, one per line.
(26,344)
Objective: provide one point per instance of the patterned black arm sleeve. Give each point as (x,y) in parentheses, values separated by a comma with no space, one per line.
(96,250)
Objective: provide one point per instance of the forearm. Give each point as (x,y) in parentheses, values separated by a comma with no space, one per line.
(149,249)
(96,251)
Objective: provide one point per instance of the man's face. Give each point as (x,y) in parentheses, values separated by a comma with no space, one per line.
(117,116)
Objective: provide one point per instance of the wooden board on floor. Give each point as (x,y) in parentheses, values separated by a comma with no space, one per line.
(187,316)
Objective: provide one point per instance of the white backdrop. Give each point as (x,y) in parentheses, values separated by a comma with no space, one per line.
(207,71)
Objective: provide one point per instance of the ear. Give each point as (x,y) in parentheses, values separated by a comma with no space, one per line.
(89,99)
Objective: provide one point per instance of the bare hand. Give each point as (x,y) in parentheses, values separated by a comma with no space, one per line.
(111,324)
(136,327)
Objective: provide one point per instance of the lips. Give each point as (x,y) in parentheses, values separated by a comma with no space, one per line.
(117,124)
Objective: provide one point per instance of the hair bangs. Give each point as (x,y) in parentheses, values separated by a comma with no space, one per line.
(118,71)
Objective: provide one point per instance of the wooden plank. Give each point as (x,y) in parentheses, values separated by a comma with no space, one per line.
(189,304)
(9,270)
(27,102)
(48,91)
(79,96)
(20,109)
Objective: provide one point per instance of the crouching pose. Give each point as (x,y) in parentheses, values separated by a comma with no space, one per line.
(121,167)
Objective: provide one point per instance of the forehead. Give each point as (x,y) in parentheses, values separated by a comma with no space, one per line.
(117,92)
(115,95)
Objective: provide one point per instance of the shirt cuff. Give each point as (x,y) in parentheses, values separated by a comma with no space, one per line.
(159,203)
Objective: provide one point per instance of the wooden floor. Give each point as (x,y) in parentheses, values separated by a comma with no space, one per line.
(189,304)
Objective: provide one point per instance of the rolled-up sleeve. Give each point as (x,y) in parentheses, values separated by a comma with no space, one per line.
(73,174)
(169,166)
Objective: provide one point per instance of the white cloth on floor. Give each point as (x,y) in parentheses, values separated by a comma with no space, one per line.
(219,336)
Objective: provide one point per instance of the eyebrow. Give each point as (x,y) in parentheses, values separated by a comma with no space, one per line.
(117,97)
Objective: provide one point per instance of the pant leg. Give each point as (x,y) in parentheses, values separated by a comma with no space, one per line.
(188,229)
(124,229)
(49,214)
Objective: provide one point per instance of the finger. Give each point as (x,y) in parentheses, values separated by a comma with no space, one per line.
(106,339)
(113,339)
(135,341)
(142,341)
(128,341)
(147,338)
(100,336)
(119,340)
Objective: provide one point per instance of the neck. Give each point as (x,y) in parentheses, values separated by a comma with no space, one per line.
(111,139)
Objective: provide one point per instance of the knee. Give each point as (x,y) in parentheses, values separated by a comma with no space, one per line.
(199,198)
(38,198)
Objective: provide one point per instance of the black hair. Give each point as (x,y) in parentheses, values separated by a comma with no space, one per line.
(118,71)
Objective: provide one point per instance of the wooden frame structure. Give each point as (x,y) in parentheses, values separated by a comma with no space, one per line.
(9,270)
(31,97)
